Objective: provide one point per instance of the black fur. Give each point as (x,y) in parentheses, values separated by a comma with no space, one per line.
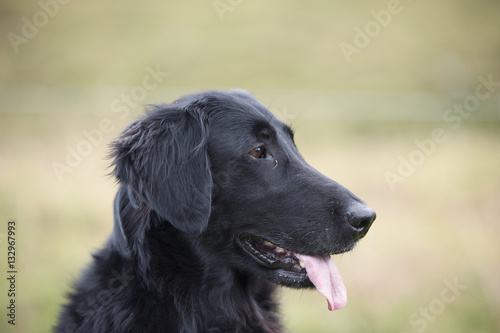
(192,191)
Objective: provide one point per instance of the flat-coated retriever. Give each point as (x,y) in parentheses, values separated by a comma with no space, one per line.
(215,207)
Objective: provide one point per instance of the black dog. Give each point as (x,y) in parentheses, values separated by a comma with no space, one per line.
(215,207)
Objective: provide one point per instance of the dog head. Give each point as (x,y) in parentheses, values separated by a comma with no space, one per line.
(225,173)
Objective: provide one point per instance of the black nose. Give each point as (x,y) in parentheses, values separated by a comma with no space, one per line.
(360,217)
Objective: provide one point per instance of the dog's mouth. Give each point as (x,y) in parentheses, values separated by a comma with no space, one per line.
(297,270)
(271,255)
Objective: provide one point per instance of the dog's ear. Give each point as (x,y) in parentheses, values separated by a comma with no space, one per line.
(163,157)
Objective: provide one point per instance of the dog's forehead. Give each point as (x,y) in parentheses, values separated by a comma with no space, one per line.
(240,111)
(238,124)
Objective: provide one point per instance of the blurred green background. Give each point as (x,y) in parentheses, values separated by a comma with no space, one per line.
(364,117)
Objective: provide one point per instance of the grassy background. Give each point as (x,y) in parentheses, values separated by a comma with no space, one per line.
(353,122)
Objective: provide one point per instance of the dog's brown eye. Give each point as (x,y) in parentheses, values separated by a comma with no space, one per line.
(258,153)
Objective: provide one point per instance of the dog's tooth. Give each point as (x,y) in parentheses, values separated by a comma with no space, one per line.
(268,244)
(302,264)
(279,250)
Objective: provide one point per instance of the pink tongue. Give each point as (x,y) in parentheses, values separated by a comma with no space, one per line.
(324,275)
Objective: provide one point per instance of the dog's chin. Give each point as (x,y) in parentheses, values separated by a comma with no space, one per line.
(289,279)
(274,263)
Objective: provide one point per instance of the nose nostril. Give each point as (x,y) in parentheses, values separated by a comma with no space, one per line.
(361,221)
(362,224)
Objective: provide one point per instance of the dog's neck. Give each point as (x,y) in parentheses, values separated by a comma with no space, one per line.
(166,251)
(218,288)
